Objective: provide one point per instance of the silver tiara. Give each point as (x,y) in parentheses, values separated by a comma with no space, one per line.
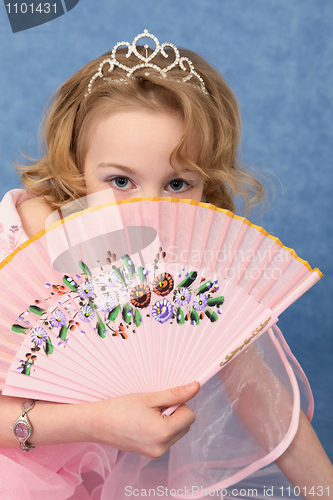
(188,68)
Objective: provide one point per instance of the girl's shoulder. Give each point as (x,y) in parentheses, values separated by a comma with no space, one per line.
(33,214)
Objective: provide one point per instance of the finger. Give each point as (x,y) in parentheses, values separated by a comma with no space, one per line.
(178,435)
(180,420)
(175,395)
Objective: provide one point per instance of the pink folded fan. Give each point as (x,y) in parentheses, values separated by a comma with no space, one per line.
(138,296)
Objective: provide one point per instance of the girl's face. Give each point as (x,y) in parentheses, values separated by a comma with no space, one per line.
(129,152)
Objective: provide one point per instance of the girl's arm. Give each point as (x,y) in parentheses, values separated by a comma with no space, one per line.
(248,381)
(306,465)
(130,423)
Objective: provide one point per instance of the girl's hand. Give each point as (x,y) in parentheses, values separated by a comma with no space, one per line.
(134,422)
(131,423)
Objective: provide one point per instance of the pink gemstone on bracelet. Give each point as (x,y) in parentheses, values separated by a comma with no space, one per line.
(26,405)
(21,430)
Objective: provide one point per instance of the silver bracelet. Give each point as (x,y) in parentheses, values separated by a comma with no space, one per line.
(22,428)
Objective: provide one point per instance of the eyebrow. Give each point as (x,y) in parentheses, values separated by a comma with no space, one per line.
(116,165)
(132,171)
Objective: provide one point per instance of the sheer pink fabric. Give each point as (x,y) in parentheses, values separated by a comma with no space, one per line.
(246,416)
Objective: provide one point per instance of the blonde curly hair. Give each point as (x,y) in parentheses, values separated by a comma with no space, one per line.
(211,120)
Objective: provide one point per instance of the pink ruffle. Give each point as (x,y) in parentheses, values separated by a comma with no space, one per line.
(53,472)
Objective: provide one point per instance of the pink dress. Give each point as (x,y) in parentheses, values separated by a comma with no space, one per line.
(246,417)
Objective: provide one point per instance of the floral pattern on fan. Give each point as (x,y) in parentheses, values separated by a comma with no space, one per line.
(113,302)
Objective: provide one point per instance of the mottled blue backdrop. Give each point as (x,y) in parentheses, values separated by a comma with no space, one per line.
(278,56)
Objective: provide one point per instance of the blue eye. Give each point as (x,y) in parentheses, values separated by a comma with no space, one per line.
(120,182)
(177,184)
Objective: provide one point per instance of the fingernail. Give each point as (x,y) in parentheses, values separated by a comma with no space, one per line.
(191,386)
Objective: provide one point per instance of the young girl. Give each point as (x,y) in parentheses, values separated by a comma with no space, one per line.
(144,124)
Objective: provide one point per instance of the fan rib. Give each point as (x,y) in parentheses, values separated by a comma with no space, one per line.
(303,287)
(167,340)
(235,247)
(284,266)
(205,235)
(189,234)
(262,267)
(249,257)
(222,237)
(280,296)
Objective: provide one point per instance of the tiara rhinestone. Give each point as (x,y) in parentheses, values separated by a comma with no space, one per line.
(184,63)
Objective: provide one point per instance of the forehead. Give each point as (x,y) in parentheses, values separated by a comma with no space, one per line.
(134,132)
